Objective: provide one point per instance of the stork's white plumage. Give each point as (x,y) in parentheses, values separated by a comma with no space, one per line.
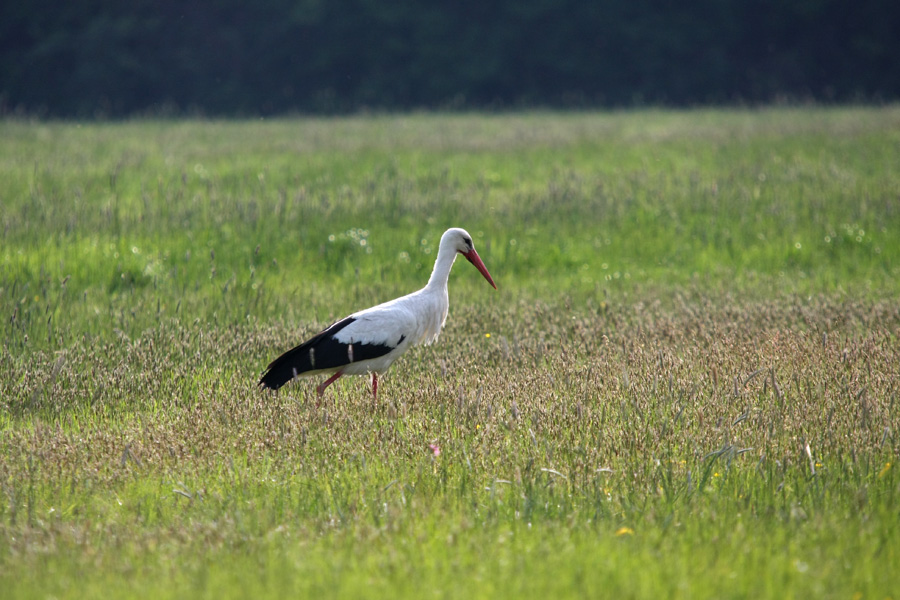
(370,340)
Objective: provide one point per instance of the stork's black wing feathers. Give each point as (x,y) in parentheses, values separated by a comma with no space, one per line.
(320,352)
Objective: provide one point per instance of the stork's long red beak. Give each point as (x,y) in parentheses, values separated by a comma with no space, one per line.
(473,258)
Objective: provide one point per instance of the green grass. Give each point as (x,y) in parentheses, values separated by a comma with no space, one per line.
(685,386)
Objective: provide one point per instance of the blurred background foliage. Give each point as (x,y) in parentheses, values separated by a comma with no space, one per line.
(102,58)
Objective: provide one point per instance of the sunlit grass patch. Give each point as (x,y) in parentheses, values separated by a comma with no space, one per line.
(685,385)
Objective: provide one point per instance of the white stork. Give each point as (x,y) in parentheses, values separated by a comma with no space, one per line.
(370,340)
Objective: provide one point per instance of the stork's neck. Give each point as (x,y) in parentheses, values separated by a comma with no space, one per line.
(442,265)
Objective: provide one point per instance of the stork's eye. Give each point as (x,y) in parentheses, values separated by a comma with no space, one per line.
(468,242)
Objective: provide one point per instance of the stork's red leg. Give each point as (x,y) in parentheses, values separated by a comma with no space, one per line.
(374,385)
(320,389)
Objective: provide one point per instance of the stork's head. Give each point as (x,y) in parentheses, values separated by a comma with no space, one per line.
(461,241)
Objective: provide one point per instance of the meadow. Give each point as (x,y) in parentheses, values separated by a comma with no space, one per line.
(685,386)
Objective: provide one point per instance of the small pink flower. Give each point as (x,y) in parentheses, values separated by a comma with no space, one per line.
(435,449)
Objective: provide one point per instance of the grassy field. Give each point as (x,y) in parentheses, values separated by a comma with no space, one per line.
(685,387)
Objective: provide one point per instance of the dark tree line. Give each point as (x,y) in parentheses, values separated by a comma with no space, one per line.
(240,57)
